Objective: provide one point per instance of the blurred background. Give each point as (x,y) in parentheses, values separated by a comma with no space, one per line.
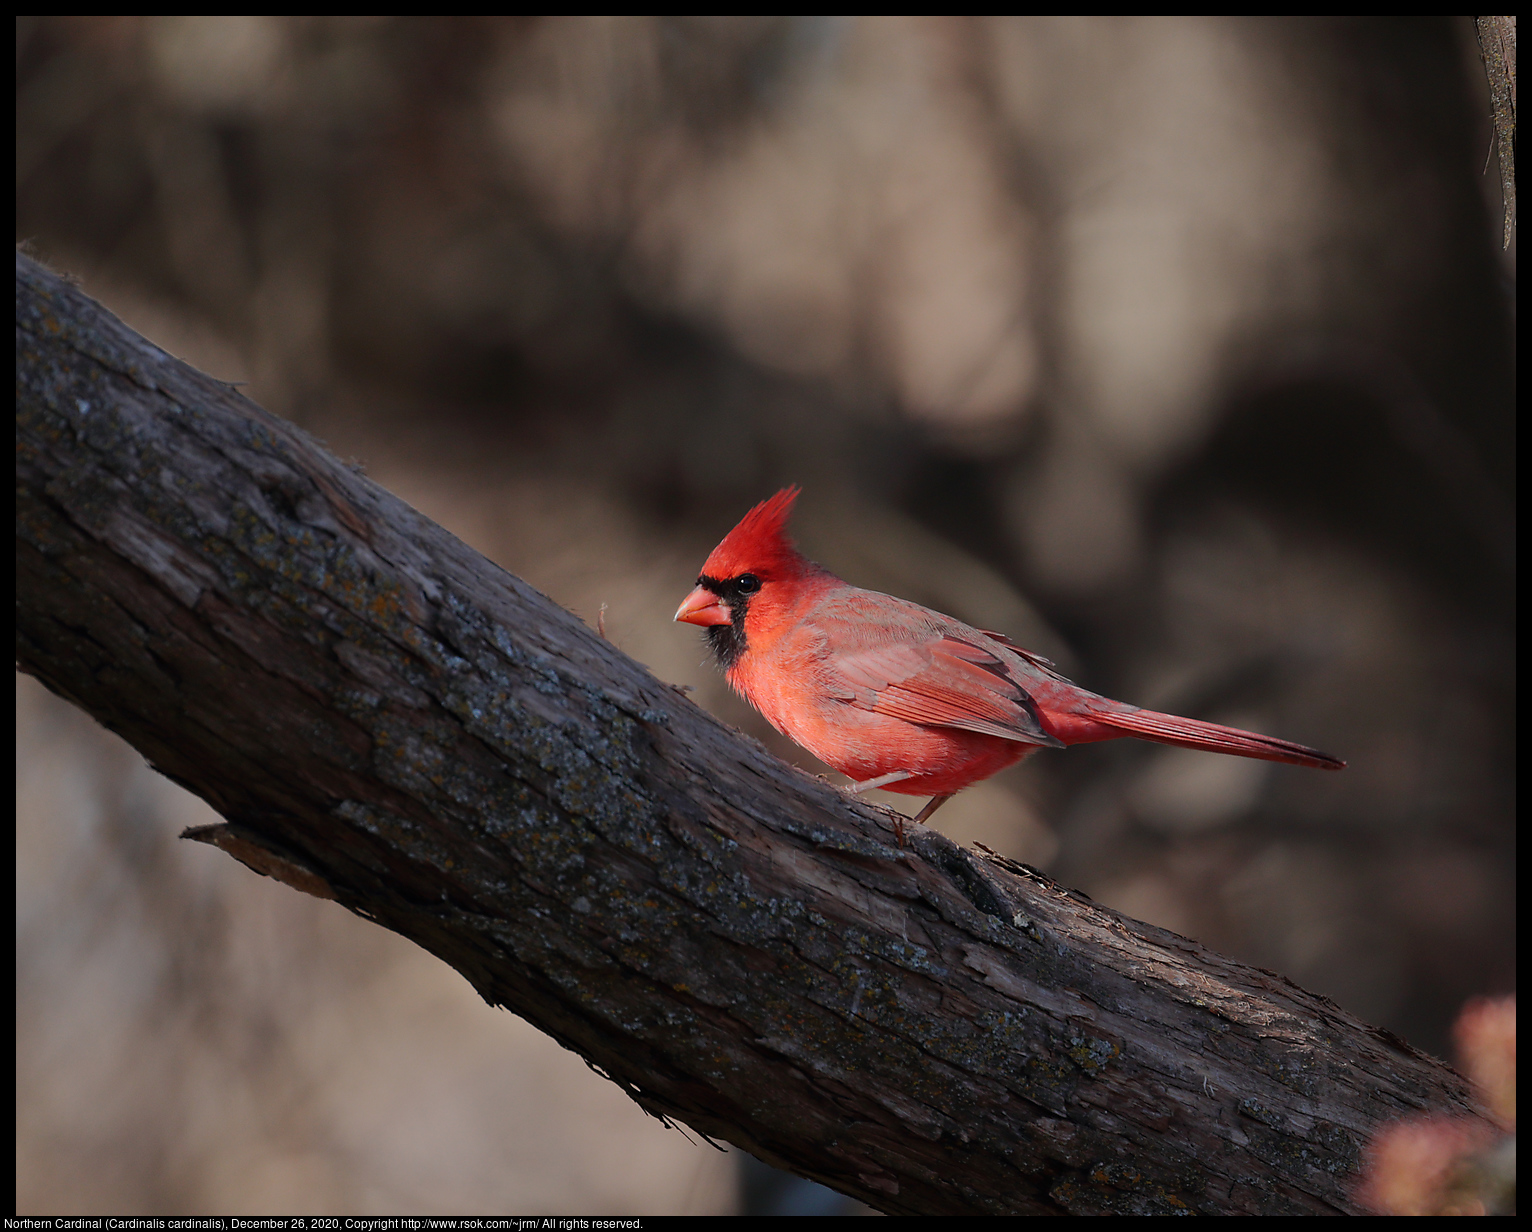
(1180,349)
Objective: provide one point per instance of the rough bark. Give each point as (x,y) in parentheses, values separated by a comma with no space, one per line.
(387,718)
(1497,47)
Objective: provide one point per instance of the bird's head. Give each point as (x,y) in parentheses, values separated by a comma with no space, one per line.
(755,573)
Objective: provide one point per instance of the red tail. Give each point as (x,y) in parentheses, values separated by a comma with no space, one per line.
(1195,734)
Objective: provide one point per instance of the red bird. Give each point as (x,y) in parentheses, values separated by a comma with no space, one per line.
(895,695)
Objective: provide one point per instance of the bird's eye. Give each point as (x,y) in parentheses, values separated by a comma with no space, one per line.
(748,583)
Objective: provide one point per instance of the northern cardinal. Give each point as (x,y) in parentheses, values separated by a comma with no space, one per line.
(895,695)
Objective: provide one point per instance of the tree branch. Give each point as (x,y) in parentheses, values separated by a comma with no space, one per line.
(387,718)
(1497,47)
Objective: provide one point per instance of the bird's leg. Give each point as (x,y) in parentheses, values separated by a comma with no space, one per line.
(925,813)
(883,780)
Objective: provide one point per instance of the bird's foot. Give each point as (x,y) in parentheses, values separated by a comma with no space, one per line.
(898,776)
(924,815)
(883,780)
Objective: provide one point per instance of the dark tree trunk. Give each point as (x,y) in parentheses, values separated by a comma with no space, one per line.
(386,718)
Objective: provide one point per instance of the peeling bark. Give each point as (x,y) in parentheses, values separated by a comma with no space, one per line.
(386,718)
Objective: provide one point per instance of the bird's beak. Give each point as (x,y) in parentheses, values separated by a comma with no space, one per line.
(702,607)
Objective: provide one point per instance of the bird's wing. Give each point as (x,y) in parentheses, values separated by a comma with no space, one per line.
(1047,666)
(942,681)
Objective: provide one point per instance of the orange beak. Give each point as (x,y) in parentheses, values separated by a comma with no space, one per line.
(702,607)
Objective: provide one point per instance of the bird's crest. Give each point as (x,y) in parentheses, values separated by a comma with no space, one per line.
(759,544)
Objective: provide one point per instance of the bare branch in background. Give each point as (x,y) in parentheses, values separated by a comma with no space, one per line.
(1497,44)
